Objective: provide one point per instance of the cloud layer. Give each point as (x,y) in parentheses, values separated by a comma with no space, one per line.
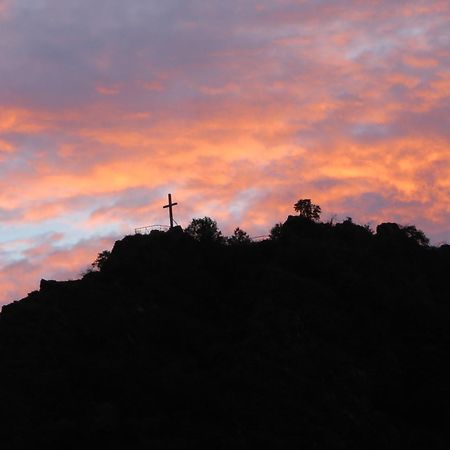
(238,108)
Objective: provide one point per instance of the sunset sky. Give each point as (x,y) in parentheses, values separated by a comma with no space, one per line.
(237,107)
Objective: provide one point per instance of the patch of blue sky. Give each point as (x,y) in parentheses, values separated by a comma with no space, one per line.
(243,202)
(379,48)
(28,231)
(409,32)
(71,228)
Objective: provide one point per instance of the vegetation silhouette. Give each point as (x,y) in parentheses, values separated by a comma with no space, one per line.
(325,335)
(101,259)
(239,237)
(205,230)
(307,209)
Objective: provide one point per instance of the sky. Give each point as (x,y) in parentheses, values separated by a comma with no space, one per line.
(238,108)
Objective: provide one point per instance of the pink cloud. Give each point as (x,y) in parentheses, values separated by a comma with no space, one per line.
(157,86)
(108,90)
(4,8)
(44,260)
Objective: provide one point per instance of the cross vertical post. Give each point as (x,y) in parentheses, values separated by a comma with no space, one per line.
(170,206)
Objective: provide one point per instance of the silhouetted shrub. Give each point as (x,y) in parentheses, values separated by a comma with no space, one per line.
(299,227)
(416,235)
(239,237)
(400,235)
(276,231)
(204,230)
(351,231)
(101,260)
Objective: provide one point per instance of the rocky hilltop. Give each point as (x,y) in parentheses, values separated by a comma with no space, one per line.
(325,336)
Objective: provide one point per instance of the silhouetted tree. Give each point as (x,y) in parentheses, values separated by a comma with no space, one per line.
(204,230)
(239,237)
(416,235)
(308,210)
(351,232)
(102,257)
(399,233)
(276,231)
(388,230)
(368,228)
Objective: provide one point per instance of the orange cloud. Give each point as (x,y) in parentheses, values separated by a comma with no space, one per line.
(5,147)
(21,121)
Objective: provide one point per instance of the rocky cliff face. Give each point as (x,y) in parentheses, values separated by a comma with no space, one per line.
(324,337)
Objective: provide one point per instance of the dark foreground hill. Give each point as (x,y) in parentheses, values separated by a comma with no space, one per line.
(324,337)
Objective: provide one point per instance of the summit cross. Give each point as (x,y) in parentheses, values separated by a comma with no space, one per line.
(170,206)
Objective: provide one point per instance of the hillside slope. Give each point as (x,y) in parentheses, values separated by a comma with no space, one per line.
(326,336)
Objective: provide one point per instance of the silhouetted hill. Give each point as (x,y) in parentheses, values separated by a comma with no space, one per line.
(323,337)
